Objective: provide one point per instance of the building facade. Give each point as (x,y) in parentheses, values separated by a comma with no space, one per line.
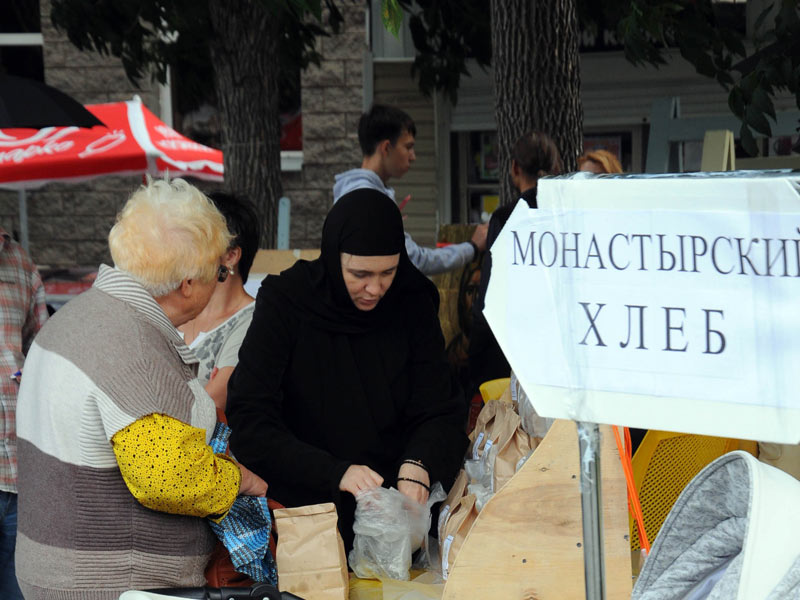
(454,179)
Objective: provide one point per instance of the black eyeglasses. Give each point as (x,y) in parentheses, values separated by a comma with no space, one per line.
(222,273)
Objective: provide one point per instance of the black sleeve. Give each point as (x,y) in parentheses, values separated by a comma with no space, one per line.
(260,439)
(495,227)
(486,359)
(435,418)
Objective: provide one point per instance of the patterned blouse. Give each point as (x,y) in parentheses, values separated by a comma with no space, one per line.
(168,467)
(220,347)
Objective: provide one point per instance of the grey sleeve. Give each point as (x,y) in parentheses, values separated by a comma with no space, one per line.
(229,352)
(432,261)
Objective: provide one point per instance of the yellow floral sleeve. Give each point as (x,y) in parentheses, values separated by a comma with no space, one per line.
(168,467)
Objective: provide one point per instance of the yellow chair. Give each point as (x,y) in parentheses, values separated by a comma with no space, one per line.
(494,389)
(664,464)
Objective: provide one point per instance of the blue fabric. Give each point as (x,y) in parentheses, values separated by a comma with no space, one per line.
(246,528)
(9,590)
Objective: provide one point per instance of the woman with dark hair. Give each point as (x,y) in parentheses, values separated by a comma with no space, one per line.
(534,155)
(342,384)
(216,333)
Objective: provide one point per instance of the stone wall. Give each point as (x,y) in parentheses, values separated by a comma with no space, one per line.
(332,101)
(68,224)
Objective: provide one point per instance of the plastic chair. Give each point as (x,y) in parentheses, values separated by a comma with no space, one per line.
(494,388)
(663,466)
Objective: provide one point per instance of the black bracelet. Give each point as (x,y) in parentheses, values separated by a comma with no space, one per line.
(427,487)
(416,463)
(474,249)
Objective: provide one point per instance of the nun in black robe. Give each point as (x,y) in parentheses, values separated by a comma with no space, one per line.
(322,385)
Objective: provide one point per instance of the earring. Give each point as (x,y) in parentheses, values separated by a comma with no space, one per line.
(230,270)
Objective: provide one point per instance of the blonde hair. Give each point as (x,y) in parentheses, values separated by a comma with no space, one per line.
(168,231)
(607,161)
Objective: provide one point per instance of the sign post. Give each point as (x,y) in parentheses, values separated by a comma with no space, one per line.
(654,302)
(592,511)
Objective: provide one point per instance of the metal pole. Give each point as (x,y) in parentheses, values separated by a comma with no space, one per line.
(592,511)
(284,222)
(23,222)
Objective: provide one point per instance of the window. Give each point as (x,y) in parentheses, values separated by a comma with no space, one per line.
(21,39)
(476,175)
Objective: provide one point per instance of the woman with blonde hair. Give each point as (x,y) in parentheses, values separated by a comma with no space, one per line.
(599,161)
(113,421)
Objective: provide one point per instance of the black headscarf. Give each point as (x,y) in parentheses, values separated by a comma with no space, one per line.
(363,222)
(322,385)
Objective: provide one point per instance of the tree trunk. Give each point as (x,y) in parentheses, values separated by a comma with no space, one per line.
(243,49)
(536,78)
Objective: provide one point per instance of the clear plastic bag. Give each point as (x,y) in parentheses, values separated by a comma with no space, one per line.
(481,476)
(534,425)
(389,528)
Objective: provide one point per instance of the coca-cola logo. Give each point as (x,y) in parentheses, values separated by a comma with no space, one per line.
(103,144)
(184,144)
(166,131)
(51,141)
(47,141)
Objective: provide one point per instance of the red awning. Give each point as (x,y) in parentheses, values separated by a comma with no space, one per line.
(134,142)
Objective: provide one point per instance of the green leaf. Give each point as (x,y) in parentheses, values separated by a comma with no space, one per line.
(756,119)
(392,16)
(761,101)
(748,141)
(736,102)
(762,16)
(724,79)
(702,62)
(749,84)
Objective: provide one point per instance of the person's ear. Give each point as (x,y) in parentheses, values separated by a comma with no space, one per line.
(186,287)
(385,146)
(233,256)
(514,168)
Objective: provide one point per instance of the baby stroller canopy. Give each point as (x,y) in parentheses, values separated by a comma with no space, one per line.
(734,532)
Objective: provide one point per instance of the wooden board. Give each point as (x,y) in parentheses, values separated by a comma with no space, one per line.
(448,283)
(527,541)
(272,262)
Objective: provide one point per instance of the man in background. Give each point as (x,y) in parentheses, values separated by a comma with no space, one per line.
(23,311)
(386,136)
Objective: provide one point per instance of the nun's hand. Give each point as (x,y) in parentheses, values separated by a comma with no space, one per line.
(358,478)
(417,488)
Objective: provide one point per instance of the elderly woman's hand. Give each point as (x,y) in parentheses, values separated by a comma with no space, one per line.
(413,490)
(358,478)
(252,484)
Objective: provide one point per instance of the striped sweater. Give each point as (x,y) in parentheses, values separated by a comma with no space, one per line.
(107,358)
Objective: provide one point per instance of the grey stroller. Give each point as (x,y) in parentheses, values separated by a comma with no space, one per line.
(734,533)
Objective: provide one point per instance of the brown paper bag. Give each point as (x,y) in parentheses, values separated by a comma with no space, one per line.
(456,529)
(483,425)
(508,456)
(507,397)
(456,493)
(498,429)
(512,444)
(310,558)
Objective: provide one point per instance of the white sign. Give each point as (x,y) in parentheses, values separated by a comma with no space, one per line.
(615,303)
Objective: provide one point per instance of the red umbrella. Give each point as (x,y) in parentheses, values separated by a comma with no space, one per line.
(134,141)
